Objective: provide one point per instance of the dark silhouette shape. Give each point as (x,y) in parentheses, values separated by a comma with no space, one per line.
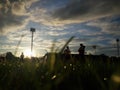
(2,58)
(81,51)
(117,40)
(94,47)
(10,56)
(22,57)
(67,50)
(32,31)
(67,53)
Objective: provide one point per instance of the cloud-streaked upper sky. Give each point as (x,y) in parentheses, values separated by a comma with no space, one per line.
(92,22)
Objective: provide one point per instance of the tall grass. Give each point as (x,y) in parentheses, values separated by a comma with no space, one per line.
(57,74)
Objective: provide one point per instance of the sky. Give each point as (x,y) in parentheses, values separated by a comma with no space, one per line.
(91,22)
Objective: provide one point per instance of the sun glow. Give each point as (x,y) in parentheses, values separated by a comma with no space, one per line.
(28,53)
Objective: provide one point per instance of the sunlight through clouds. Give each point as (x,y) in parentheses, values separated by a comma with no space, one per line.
(94,22)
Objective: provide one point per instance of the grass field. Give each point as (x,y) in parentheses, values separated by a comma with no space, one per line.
(60,73)
(56,74)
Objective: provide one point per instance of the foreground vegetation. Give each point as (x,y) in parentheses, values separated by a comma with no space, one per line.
(56,74)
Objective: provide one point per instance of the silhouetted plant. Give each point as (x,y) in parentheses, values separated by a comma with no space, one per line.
(95,74)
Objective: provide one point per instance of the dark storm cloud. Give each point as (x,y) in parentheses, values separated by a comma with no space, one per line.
(88,8)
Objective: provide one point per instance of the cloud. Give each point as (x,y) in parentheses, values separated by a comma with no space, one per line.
(83,10)
(61,12)
(17,13)
(55,33)
(109,25)
(91,21)
(13,14)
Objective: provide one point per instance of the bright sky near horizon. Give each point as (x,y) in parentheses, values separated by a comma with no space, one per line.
(92,22)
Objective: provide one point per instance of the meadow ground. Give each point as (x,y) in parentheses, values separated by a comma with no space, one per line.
(55,74)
